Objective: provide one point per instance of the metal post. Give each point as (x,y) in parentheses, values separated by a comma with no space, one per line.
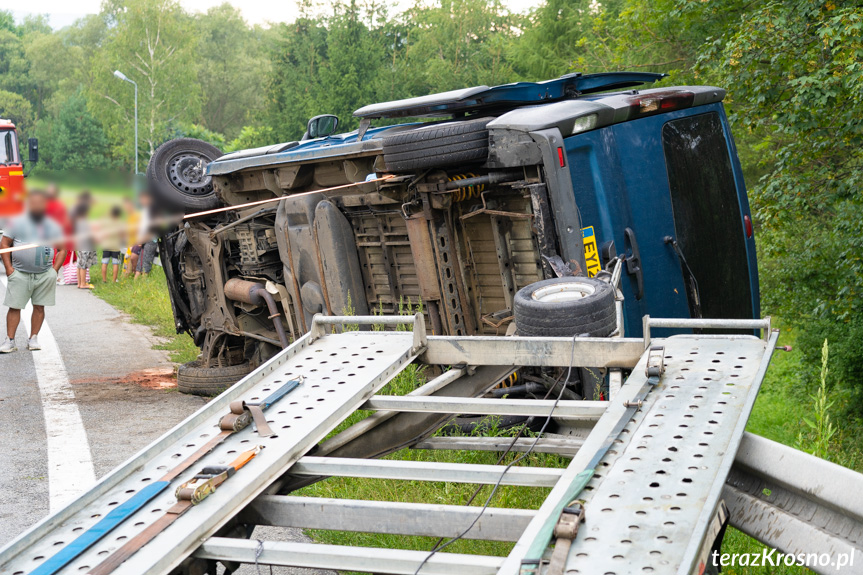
(122,76)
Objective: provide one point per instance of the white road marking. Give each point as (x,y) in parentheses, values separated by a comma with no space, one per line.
(70,464)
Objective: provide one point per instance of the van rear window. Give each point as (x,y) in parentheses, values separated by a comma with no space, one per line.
(707,218)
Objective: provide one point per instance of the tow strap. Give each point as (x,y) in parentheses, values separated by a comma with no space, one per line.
(188,495)
(240,416)
(530,565)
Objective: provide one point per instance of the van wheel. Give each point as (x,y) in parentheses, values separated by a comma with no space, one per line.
(437,146)
(196,380)
(176,175)
(564,307)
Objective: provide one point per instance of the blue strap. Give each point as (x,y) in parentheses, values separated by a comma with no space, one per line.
(100,529)
(280,393)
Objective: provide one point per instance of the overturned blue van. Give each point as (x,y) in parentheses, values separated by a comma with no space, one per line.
(488,203)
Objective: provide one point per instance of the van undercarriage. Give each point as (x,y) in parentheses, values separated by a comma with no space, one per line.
(456,245)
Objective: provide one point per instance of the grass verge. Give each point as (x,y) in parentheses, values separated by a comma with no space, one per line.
(146,300)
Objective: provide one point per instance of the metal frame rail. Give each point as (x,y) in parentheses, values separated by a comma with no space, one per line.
(649,506)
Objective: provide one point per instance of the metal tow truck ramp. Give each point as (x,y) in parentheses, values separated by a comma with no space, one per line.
(661,449)
(340,372)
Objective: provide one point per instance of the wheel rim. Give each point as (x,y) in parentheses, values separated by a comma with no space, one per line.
(187,172)
(563,292)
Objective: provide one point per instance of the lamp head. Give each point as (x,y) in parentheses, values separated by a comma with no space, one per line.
(121,75)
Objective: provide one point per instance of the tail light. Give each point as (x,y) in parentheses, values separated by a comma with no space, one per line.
(656,102)
(747,225)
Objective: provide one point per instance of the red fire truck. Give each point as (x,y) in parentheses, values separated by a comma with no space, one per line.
(12,191)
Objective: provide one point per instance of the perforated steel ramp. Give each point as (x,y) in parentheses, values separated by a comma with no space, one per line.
(340,372)
(650,507)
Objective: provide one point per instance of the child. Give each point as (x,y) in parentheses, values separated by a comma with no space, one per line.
(87,253)
(112,244)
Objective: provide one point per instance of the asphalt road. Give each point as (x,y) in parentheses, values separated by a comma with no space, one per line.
(96,394)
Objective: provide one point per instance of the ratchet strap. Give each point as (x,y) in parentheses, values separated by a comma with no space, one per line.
(565,532)
(530,565)
(241,415)
(188,495)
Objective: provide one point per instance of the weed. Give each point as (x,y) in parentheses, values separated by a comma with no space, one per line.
(821,429)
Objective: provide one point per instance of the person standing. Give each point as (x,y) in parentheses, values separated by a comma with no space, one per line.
(112,245)
(56,210)
(31,273)
(145,235)
(133,252)
(87,254)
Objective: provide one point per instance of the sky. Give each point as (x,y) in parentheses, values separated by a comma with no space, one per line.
(63,12)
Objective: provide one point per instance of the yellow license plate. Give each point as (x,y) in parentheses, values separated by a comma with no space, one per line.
(591,252)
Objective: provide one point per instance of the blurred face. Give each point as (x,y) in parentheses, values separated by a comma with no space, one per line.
(36,205)
(53,192)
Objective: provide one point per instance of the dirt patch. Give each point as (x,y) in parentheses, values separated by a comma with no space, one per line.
(155,378)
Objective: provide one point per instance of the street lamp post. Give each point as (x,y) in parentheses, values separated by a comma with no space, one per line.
(123,77)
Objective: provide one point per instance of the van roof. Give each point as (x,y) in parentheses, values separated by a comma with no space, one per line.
(610,108)
(469,100)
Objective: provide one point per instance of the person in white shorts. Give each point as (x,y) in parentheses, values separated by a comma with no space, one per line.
(31,273)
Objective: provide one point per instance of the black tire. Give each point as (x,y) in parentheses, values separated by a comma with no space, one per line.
(592,312)
(175,175)
(196,380)
(437,146)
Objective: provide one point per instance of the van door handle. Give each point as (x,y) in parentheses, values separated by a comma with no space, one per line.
(633,261)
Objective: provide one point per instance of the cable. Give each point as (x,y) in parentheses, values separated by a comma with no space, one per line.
(508,467)
(506,452)
(258,551)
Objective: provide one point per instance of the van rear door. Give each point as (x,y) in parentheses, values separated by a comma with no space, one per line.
(671,177)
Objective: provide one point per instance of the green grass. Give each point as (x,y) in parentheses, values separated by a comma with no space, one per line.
(146,300)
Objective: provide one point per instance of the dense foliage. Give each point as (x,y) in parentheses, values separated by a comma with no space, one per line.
(793,70)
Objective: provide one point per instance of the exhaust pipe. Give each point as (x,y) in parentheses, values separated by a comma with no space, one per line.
(256,294)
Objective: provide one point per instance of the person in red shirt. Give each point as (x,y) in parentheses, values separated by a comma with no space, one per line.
(56,210)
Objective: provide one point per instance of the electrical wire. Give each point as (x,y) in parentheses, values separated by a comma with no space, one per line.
(506,452)
(508,467)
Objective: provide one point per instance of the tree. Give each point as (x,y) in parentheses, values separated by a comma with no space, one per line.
(297,58)
(74,140)
(796,79)
(350,76)
(233,65)
(456,44)
(153,43)
(52,62)
(16,108)
(14,67)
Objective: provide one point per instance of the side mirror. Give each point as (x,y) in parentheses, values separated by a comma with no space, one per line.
(32,150)
(321,127)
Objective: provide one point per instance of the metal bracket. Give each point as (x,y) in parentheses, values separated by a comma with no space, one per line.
(655,361)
